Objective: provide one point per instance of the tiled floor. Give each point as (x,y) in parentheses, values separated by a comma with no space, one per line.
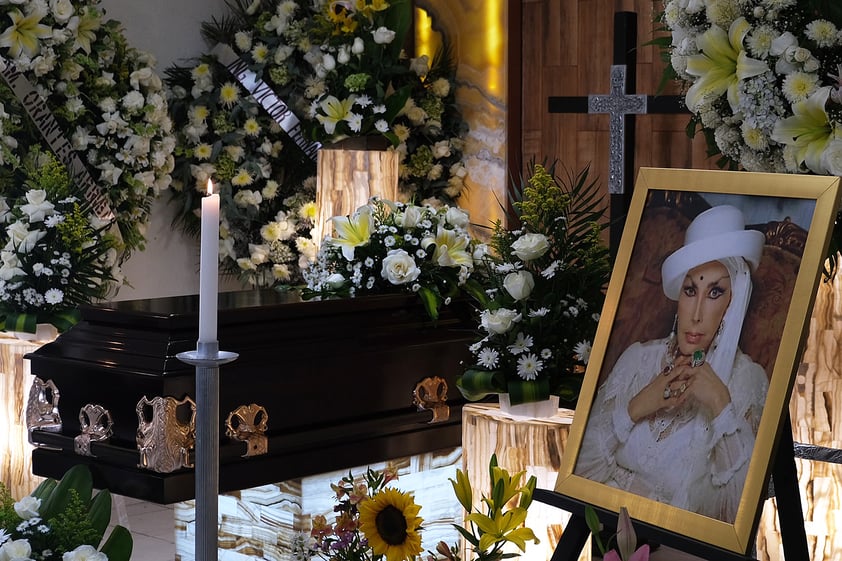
(152,527)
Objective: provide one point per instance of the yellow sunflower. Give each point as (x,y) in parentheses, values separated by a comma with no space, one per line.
(390,522)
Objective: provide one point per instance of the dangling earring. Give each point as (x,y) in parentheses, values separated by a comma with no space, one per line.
(718,335)
(671,348)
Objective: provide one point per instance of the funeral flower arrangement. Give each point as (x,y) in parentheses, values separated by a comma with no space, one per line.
(61,521)
(104,96)
(397,247)
(266,183)
(764,80)
(373,522)
(340,68)
(56,254)
(546,277)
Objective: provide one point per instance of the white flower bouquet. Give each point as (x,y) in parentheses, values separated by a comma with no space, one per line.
(545,284)
(56,254)
(763,79)
(341,67)
(397,247)
(104,95)
(266,183)
(61,521)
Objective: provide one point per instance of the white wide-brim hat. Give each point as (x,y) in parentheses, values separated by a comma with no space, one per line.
(717,233)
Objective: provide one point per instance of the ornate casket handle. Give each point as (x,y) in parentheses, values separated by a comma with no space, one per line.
(251,422)
(164,442)
(42,408)
(96,424)
(430,394)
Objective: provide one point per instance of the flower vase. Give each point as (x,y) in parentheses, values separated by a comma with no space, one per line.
(348,174)
(529,410)
(43,332)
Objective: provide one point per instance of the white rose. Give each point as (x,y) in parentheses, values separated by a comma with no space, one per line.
(37,207)
(62,10)
(343,56)
(399,267)
(21,238)
(84,553)
(530,246)
(383,35)
(411,217)
(441,149)
(519,284)
(18,549)
(27,507)
(420,66)
(498,321)
(335,281)
(328,62)
(358,47)
(457,217)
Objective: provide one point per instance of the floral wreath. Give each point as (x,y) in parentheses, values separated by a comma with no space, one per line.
(72,86)
(340,69)
(763,78)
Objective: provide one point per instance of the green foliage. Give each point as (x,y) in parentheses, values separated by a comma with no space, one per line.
(68,516)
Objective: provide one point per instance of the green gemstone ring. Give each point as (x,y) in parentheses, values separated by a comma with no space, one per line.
(698,358)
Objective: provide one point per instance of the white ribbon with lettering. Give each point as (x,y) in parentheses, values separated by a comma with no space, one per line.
(266,97)
(52,134)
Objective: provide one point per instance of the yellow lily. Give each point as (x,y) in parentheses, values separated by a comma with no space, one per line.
(462,490)
(451,249)
(335,110)
(505,526)
(809,130)
(86,27)
(721,64)
(353,231)
(24,33)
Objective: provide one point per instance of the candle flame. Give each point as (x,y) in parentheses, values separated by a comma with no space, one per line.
(210,187)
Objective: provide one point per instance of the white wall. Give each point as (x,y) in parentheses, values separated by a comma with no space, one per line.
(169,29)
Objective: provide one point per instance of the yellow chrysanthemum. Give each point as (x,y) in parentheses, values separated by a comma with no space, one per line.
(229,94)
(251,127)
(203,151)
(390,522)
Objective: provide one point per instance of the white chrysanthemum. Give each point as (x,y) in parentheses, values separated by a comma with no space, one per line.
(582,351)
(521,344)
(823,32)
(759,41)
(528,366)
(229,94)
(488,358)
(723,12)
(798,86)
(754,137)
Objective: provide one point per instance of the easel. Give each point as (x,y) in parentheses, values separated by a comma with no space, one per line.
(622,106)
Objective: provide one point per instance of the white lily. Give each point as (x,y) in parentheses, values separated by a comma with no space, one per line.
(721,64)
(809,130)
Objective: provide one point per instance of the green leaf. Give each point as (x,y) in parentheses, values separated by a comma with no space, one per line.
(77,477)
(592,520)
(119,545)
(430,301)
(99,513)
(44,489)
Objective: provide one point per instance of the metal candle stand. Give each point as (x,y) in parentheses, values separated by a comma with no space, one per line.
(207,358)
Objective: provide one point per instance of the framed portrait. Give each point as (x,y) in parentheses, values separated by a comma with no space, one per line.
(688,381)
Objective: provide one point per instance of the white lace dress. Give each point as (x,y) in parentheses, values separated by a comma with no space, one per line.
(681,458)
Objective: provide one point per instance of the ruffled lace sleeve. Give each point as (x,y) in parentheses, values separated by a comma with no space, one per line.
(732,435)
(609,423)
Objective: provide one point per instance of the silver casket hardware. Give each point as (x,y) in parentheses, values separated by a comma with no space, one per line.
(96,424)
(164,442)
(42,408)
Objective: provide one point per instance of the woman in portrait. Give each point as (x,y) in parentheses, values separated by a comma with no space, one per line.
(676,419)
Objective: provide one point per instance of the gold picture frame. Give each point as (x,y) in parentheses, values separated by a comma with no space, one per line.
(796,214)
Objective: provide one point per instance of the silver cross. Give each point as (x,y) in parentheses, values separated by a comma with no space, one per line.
(617,104)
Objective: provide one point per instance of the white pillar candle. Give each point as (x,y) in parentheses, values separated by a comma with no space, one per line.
(208,267)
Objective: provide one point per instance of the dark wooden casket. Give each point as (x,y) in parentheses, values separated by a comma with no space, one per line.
(335,377)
